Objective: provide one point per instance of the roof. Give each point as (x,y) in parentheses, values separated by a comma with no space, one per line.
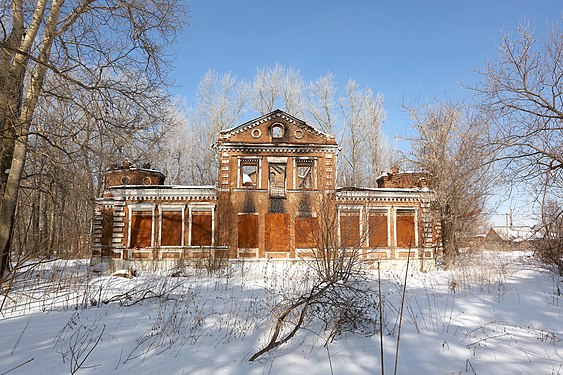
(278,113)
(514,233)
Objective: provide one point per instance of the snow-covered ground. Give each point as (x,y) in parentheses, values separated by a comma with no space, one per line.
(499,313)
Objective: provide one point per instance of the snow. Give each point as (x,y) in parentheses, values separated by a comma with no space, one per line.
(499,313)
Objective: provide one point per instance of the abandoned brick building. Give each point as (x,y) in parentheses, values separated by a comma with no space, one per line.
(276,197)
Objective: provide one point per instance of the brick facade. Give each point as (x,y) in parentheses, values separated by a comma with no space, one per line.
(275,193)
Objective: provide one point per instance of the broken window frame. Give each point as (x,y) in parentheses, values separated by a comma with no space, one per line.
(277,189)
(301,163)
(248,162)
(277,131)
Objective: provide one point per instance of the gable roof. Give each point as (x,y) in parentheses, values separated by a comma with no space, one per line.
(514,233)
(276,114)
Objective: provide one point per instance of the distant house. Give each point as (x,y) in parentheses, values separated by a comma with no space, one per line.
(510,235)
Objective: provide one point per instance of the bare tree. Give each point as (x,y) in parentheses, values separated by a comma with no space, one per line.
(362,159)
(522,93)
(449,146)
(220,101)
(338,294)
(549,245)
(277,87)
(321,103)
(110,47)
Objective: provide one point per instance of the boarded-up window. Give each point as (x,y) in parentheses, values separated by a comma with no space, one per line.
(172,228)
(350,228)
(277,232)
(405,228)
(248,231)
(377,221)
(141,229)
(306,232)
(202,228)
(107,228)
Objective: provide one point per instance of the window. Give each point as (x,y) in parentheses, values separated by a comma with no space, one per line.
(405,228)
(249,174)
(107,229)
(306,232)
(277,231)
(172,228)
(305,174)
(141,229)
(378,228)
(248,231)
(277,131)
(350,228)
(202,228)
(276,180)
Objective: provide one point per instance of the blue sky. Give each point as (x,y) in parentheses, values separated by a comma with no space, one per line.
(410,51)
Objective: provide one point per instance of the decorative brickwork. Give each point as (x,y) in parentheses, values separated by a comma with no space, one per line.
(276,181)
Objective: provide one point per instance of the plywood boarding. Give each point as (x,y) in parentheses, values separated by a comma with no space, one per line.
(350,229)
(378,229)
(405,229)
(107,228)
(172,228)
(306,232)
(248,231)
(277,232)
(141,229)
(202,231)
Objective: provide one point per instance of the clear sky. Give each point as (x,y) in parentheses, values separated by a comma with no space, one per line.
(410,51)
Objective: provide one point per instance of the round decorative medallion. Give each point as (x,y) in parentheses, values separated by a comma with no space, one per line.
(256,133)
(125,180)
(298,134)
(147,180)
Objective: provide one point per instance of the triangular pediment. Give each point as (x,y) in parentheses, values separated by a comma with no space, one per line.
(276,127)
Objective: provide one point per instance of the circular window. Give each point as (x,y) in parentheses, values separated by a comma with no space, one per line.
(125,180)
(299,134)
(256,133)
(147,180)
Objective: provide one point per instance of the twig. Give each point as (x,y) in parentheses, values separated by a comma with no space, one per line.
(380,316)
(78,366)
(18,366)
(401,313)
(20,337)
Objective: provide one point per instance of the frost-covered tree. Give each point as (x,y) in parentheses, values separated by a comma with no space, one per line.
(362,139)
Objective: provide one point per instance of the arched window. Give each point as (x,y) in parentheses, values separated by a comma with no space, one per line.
(277,131)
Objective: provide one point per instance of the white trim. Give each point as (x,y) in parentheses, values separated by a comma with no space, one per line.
(201,207)
(171,208)
(310,160)
(376,208)
(250,159)
(406,208)
(346,207)
(141,207)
